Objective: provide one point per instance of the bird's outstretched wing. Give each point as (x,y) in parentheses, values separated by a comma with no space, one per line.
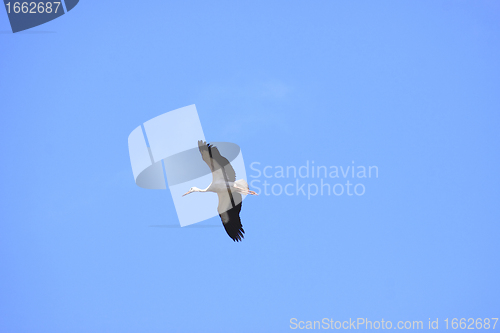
(215,160)
(230,215)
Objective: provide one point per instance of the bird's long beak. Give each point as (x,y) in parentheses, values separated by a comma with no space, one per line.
(186,193)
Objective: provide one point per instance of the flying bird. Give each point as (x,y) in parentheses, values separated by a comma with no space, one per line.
(228,189)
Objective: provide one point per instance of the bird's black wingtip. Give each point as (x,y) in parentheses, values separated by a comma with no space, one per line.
(203,144)
(239,238)
(235,233)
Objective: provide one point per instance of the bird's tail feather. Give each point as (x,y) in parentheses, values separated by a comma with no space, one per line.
(242,183)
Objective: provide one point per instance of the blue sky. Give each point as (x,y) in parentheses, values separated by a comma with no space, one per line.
(411,87)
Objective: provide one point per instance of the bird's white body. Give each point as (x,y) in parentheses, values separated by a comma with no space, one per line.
(239,186)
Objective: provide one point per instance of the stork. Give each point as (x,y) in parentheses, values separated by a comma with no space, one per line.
(228,189)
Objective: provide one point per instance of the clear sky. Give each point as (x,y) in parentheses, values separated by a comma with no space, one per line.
(411,87)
